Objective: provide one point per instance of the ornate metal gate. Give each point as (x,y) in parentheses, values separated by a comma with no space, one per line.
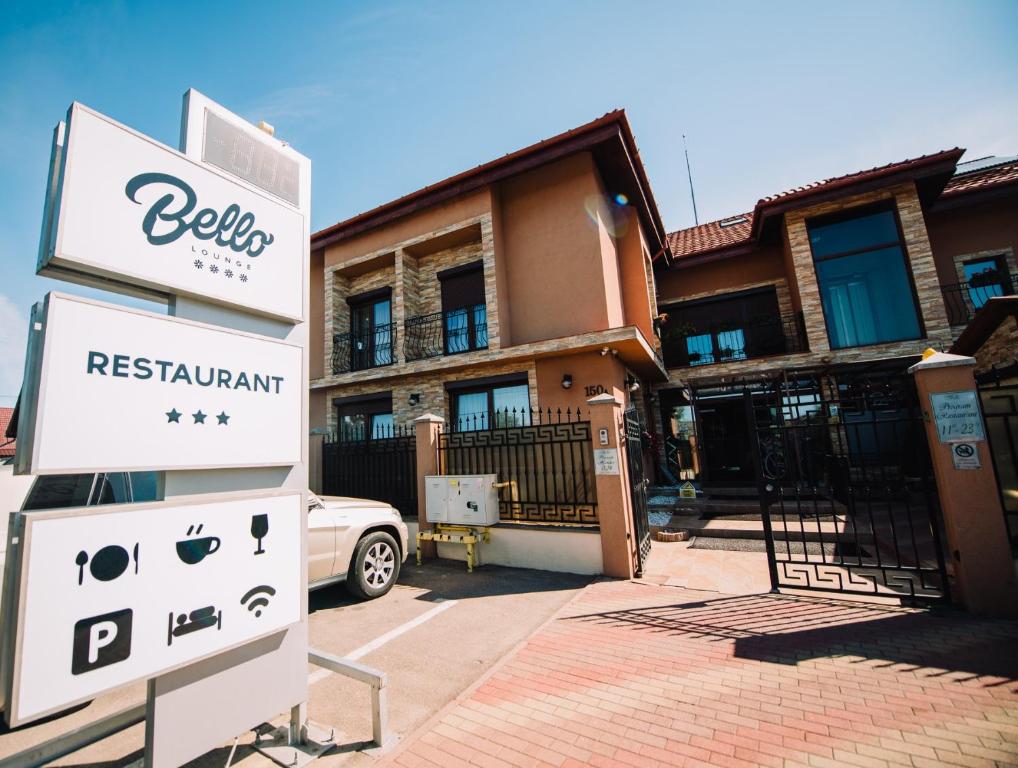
(847,492)
(637,485)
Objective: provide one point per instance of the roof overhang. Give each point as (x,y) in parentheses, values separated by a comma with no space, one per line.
(985,322)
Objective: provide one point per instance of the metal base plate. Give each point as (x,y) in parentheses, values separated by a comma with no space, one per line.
(275,745)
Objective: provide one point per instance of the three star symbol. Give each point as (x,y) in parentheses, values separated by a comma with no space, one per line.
(173,417)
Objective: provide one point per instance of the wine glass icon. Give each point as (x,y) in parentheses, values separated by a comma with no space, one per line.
(259,529)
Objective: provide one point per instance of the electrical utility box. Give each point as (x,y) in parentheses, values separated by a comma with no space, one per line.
(461,499)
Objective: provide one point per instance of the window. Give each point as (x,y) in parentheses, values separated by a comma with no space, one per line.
(464,315)
(986,278)
(371,330)
(364,418)
(495,404)
(865,285)
(722,329)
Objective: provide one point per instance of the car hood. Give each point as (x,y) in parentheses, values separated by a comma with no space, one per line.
(348,503)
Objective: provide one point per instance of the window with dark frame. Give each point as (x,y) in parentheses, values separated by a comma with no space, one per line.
(986,277)
(359,419)
(490,404)
(371,329)
(866,287)
(464,314)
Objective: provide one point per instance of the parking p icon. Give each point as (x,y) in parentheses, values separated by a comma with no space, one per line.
(101,640)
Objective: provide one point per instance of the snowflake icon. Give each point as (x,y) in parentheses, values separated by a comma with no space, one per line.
(228,273)
(213,269)
(198,264)
(243,278)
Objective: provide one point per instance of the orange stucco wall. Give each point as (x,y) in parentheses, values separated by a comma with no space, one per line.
(960,231)
(633,268)
(561,265)
(406,228)
(316,317)
(720,276)
(588,370)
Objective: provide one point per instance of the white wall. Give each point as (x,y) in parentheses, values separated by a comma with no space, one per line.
(557,550)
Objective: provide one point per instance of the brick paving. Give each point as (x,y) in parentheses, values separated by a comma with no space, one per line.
(635,674)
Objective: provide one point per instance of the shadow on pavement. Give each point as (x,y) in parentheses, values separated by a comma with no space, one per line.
(785,629)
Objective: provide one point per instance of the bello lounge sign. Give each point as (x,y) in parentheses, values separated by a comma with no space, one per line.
(124,208)
(117,389)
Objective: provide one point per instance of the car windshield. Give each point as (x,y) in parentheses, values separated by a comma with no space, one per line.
(314,502)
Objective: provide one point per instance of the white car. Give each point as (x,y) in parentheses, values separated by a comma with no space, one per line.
(356,541)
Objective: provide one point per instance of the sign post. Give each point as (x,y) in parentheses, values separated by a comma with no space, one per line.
(213,396)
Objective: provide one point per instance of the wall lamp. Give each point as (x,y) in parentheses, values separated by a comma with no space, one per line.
(632,383)
(567,380)
(415,398)
(605,351)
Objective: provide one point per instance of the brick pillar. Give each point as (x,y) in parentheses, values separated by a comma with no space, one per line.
(614,511)
(977,543)
(427,428)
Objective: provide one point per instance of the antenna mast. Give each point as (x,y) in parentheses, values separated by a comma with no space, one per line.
(689,173)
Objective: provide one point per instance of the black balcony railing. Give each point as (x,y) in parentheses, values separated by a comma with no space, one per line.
(358,350)
(962,300)
(446,333)
(689,346)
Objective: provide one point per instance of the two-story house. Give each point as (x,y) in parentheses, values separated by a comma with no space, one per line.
(849,274)
(522,286)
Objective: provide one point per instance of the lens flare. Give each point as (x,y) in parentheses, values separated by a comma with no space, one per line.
(621,199)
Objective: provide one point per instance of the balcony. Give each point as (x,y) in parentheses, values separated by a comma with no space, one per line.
(360,350)
(686,346)
(963,299)
(446,333)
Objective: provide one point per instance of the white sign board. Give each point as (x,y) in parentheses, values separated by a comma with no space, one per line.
(112,595)
(124,389)
(966,456)
(957,416)
(136,212)
(606,461)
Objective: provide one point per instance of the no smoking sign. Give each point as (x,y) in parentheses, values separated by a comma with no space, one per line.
(965,455)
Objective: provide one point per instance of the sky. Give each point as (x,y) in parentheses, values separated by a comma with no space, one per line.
(387,97)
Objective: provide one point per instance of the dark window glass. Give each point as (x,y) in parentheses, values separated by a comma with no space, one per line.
(371,341)
(865,287)
(144,486)
(492,407)
(58,491)
(986,278)
(723,329)
(366,419)
(113,489)
(464,315)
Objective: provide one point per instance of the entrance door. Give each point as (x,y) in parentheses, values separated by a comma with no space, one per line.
(372,334)
(725,441)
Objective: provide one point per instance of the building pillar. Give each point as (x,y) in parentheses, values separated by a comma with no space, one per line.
(977,543)
(614,506)
(315,478)
(427,429)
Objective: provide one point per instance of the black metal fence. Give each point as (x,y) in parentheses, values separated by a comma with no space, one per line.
(728,342)
(446,333)
(382,467)
(359,350)
(962,300)
(543,461)
(847,492)
(1000,410)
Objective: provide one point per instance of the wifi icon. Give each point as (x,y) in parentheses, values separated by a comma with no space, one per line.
(256,604)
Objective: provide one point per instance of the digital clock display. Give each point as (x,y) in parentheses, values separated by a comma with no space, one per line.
(256,162)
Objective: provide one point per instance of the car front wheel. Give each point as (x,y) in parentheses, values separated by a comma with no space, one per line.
(375,566)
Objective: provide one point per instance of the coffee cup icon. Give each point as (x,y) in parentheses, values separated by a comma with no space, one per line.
(193,551)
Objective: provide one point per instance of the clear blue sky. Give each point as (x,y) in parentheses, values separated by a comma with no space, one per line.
(388,97)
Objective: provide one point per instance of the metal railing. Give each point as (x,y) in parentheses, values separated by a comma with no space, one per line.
(446,333)
(962,300)
(690,346)
(377,680)
(359,350)
(543,460)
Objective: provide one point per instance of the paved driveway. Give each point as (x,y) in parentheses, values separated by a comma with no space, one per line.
(638,674)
